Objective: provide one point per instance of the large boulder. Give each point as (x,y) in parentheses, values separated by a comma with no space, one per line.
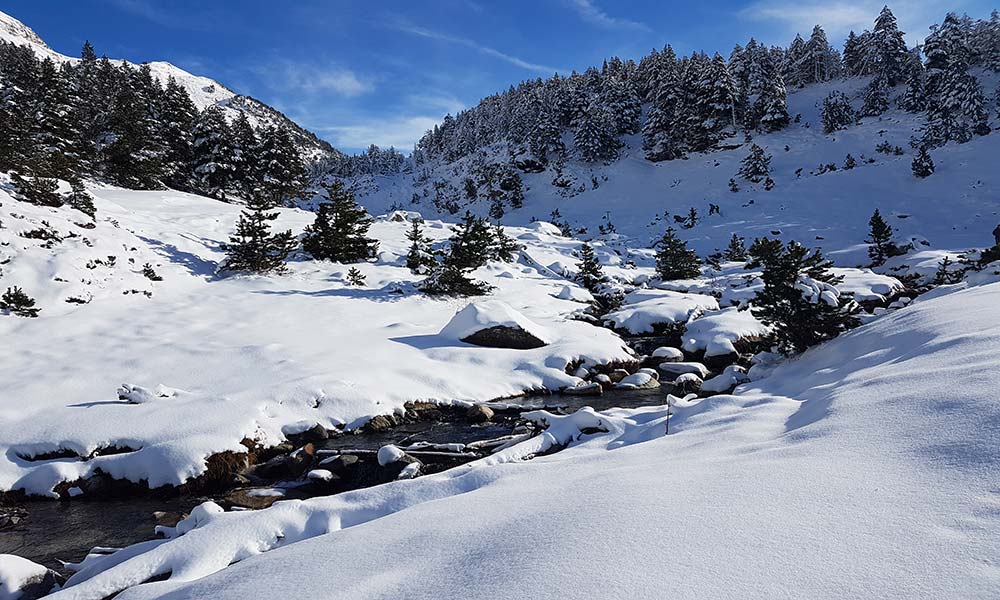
(494,324)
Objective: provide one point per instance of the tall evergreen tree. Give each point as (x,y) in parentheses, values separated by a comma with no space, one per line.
(674,260)
(340,231)
(132,156)
(854,57)
(175,125)
(885,49)
(594,137)
(246,155)
(213,153)
(922,165)
(589,272)
(253,248)
(283,172)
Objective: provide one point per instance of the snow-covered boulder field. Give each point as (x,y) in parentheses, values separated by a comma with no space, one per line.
(856,470)
(170,372)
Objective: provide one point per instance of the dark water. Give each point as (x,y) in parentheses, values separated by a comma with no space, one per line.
(57,531)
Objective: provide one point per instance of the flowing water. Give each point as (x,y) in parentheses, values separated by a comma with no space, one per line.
(65,530)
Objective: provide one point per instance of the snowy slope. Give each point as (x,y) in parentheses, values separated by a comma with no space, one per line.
(204,91)
(865,468)
(242,356)
(956,208)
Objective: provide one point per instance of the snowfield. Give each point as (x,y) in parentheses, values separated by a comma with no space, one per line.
(864,468)
(237,357)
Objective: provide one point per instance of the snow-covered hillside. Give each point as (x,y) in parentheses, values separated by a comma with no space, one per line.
(956,208)
(204,92)
(865,468)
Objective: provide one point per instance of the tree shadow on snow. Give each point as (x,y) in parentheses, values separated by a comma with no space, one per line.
(384,294)
(190,261)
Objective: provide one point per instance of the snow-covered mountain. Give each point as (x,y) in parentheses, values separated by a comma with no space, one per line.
(204,92)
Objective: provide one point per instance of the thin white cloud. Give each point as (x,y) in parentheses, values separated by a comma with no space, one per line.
(444,37)
(592,14)
(312,79)
(401,132)
(837,18)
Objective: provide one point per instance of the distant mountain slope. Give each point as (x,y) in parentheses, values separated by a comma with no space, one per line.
(204,91)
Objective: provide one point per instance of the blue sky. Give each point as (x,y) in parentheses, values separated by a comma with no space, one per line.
(384,71)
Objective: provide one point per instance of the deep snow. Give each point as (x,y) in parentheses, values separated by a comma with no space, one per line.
(865,468)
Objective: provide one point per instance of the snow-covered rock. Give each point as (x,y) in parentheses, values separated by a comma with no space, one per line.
(643,309)
(716,333)
(676,369)
(494,324)
(726,381)
(389,454)
(667,354)
(21,579)
(638,381)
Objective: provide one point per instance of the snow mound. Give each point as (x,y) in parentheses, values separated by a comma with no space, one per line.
(17,573)
(716,333)
(484,315)
(645,308)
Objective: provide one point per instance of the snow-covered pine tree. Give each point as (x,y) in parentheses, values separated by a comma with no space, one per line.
(212,153)
(736,251)
(756,167)
(922,165)
(420,258)
(594,137)
(854,55)
(175,125)
(53,129)
(132,155)
(837,112)
(771,109)
(879,239)
(876,98)
(914,97)
(79,198)
(799,299)
(253,248)
(885,49)
(282,171)
(791,70)
(339,232)
(355,276)
(246,155)
(673,258)
(819,61)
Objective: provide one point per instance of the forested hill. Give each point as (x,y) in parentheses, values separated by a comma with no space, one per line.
(140,126)
(665,107)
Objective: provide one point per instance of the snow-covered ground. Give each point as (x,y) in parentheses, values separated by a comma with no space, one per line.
(865,468)
(225,359)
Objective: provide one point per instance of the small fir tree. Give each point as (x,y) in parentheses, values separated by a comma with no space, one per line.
(588,271)
(922,164)
(876,97)
(879,239)
(504,246)
(837,112)
(756,167)
(799,300)
(80,199)
(850,162)
(420,258)
(149,273)
(41,191)
(339,232)
(674,260)
(944,274)
(253,248)
(15,302)
(355,276)
(736,251)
